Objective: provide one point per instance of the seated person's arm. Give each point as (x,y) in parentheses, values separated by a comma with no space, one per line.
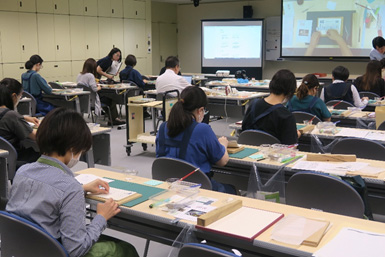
(225,158)
(33,120)
(333,35)
(44,85)
(327,119)
(358,102)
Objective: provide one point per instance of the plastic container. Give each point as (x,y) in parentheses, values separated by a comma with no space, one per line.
(327,127)
(182,187)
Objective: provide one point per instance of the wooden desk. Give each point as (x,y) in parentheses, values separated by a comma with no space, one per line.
(237,172)
(159,226)
(3,179)
(257,86)
(75,99)
(351,119)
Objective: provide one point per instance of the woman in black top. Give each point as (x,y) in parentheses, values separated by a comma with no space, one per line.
(270,115)
(371,81)
(105,63)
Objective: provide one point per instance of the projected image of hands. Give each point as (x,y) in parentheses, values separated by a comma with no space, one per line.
(331,28)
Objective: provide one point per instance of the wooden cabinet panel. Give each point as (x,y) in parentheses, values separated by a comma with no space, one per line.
(92,37)
(104,8)
(90,7)
(10,37)
(46,36)
(13,70)
(117,38)
(62,37)
(117,8)
(28,35)
(134,9)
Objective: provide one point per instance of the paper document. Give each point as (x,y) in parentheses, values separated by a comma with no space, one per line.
(354,243)
(348,132)
(376,135)
(333,168)
(87,178)
(116,194)
(114,68)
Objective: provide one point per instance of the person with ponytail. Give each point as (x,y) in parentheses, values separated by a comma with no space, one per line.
(13,126)
(185,137)
(306,101)
(371,81)
(34,84)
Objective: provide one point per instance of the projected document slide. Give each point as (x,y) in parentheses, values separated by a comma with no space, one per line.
(231,44)
(331,28)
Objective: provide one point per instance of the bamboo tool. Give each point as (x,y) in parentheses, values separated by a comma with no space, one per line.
(337,103)
(311,120)
(192,172)
(331,157)
(218,213)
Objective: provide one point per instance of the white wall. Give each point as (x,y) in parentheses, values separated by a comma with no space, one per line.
(189,36)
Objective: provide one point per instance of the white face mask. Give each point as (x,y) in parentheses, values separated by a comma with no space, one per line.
(200,117)
(73,161)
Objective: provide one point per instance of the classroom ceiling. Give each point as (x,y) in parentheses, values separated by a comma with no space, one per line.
(191,1)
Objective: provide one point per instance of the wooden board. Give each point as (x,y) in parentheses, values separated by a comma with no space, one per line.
(235,149)
(120,202)
(218,213)
(331,157)
(306,129)
(315,239)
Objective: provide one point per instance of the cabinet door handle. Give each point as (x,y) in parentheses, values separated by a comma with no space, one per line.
(87,47)
(57,47)
(113,46)
(136,46)
(21,67)
(136,12)
(56,66)
(55,6)
(85,8)
(112,10)
(23,47)
(21,4)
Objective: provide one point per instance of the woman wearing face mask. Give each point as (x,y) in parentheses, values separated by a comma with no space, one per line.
(270,115)
(34,84)
(305,99)
(13,126)
(184,137)
(47,193)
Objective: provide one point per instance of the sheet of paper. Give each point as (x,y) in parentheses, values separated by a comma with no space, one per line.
(116,194)
(319,166)
(194,209)
(354,243)
(376,135)
(370,170)
(348,132)
(87,178)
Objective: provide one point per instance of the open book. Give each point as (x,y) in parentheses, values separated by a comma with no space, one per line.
(114,68)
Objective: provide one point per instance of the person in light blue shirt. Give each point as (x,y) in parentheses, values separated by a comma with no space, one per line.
(46,193)
(378,50)
(185,137)
(34,84)
(305,99)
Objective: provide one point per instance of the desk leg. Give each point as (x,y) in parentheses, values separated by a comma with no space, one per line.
(90,158)
(153,114)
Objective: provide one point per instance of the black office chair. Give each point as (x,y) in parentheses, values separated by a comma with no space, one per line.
(341,105)
(362,148)
(324,192)
(367,94)
(20,237)
(194,250)
(301,116)
(382,126)
(55,85)
(33,104)
(92,103)
(256,138)
(164,168)
(12,163)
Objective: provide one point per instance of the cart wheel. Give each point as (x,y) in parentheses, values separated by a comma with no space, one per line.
(144,147)
(128,150)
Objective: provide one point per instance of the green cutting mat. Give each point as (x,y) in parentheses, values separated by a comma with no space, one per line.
(244,153)
(299,126)
(145,191)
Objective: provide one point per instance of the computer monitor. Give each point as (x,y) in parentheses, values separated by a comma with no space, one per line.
(188,78)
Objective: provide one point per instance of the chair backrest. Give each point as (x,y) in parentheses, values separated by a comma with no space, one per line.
(362,148)
(12,157)
(382,126)
(169,98)
(33,102)
(324,192)
(342,105)
(20,237)
(370,95)
(301,116)
(256,138)
(194,250)
(164,168)
(92,94)
(55,85)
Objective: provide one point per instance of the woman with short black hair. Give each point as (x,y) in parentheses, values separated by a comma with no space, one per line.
(47,193)
(270,115)
(131,74)
(13,126)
